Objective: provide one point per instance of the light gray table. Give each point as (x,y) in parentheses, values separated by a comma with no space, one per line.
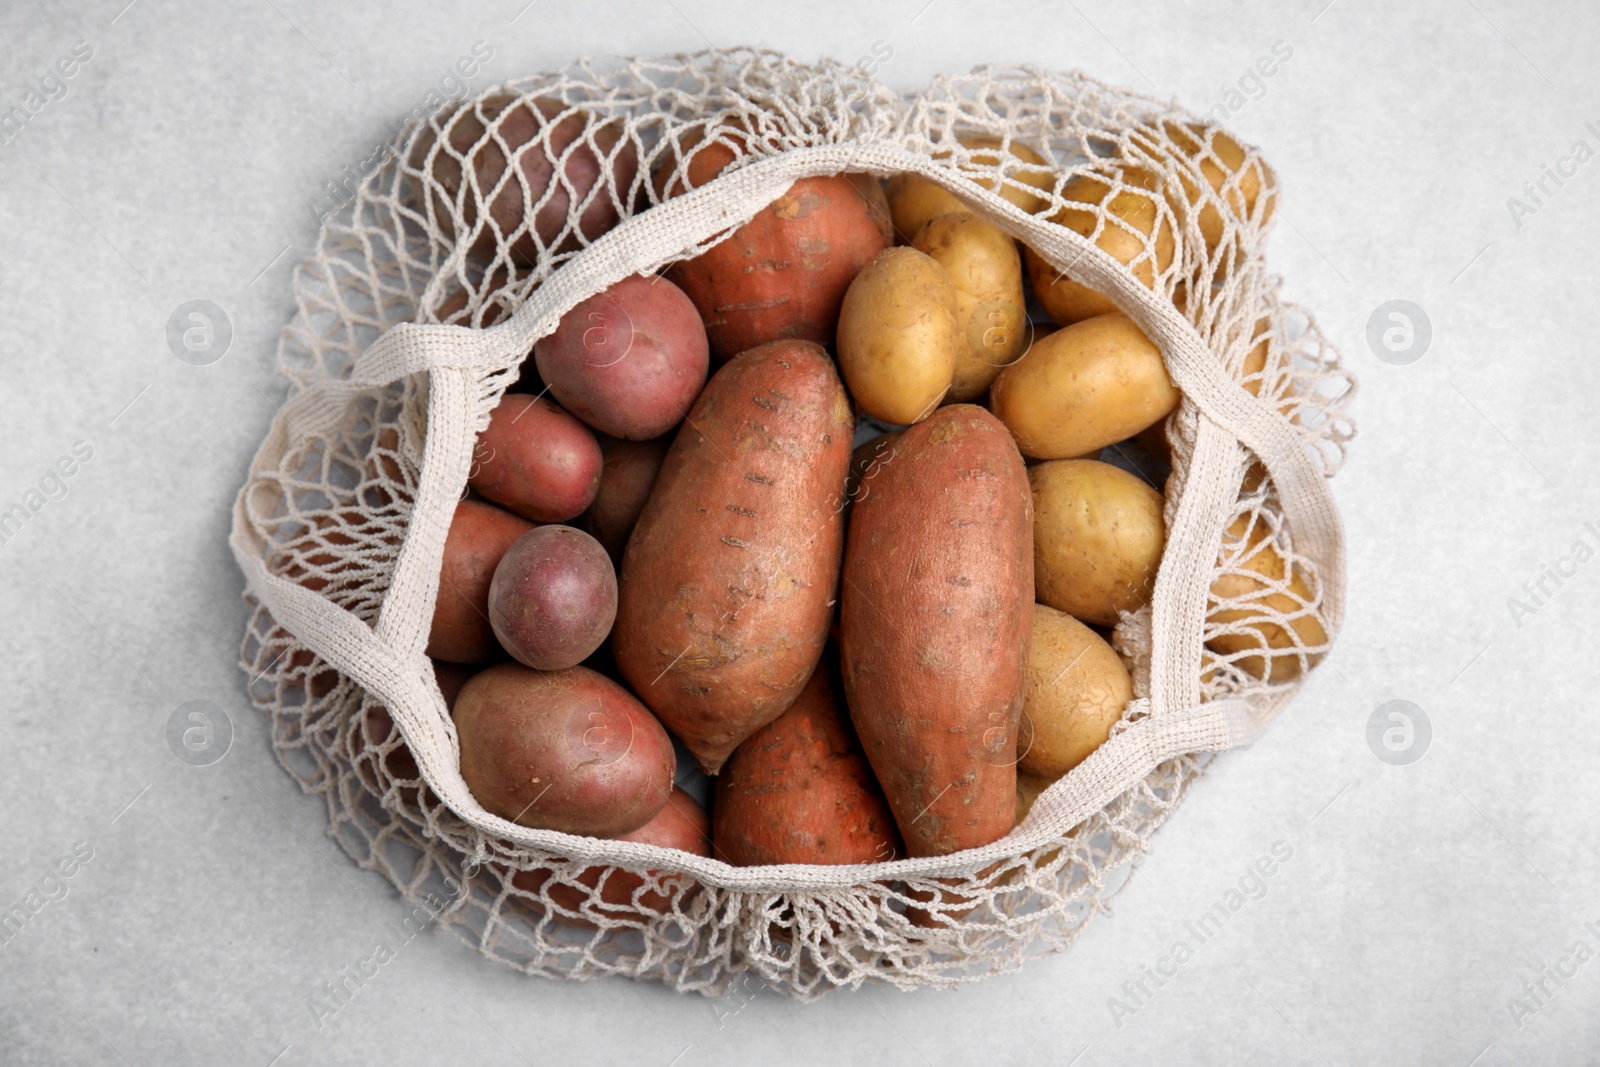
(1421,903)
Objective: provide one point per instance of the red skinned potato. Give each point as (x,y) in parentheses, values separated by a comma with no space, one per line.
(936,607)
(800,790)
(628,472)
(541,134)
(783,274)
(629,360)
(728,581)
(553,597)
(562,750)
(681,824)
(479,535)
(536,460)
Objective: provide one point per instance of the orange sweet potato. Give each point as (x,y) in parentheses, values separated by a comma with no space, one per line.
(728,578)
(784,273)
(800,790)
(936,609)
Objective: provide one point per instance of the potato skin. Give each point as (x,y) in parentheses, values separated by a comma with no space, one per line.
(914,201)
(899,336)
(562,750)
(1145,240)
(800,790)
(935,615)
(1277,587)
(628,472)
(553,597)
(536,460)
(629,360)
(1077,691)
(1084,387)
(479,535)
(1097,538)
(729,577)
(521,127)
(681,824)
(783,274)
(991,311)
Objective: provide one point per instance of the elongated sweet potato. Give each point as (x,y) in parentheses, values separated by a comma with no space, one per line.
(728,579)
(800,790)
(936,612)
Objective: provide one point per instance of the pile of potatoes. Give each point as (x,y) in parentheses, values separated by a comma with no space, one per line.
(877,651)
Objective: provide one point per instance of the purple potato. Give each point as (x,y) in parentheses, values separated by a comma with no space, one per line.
(553,597)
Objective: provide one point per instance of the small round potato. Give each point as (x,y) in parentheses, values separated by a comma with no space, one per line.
(479,535)
(1272,588)
(1134,233)
(1077,690)
(1083,387)
(898,336)
(536,460)
(914,201)
(991,312)
(1098,534)
(553,598)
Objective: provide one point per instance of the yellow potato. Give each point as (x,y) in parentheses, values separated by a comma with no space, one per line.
(1083,387)
(1034,170)
(1029,786)
(914,201)
(1220,165)
(1134,234)
(1098,534)
(983,265)
(1077,689)
(898,336)
(1269,588)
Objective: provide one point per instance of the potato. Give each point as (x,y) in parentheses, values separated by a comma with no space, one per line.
(934,623)
(1026,167)
(1272,586)
(1222,165)
(562,750)
(629,360)
(1135,233)
(914,201)
(479,535)
(628,471)
(1083,387)
(899,336)
(536,460)
(728,581)
(450,677)
(624,896)
(800,790)
(553,597)
(1077,690)
(1029,786)
(991,312)
(1098,534)
(540,134)
(783,274)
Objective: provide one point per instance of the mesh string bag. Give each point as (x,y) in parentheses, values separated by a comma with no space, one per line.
(427,290)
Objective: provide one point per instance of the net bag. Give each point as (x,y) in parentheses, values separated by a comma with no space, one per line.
(424,294)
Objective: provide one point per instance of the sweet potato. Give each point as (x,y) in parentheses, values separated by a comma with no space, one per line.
(536,460)
(479,535)
(681,824)
(783,274)
(728,580)
(562,750)
(800,790)
(936,608)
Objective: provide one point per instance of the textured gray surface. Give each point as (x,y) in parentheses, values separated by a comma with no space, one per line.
(1418,899)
